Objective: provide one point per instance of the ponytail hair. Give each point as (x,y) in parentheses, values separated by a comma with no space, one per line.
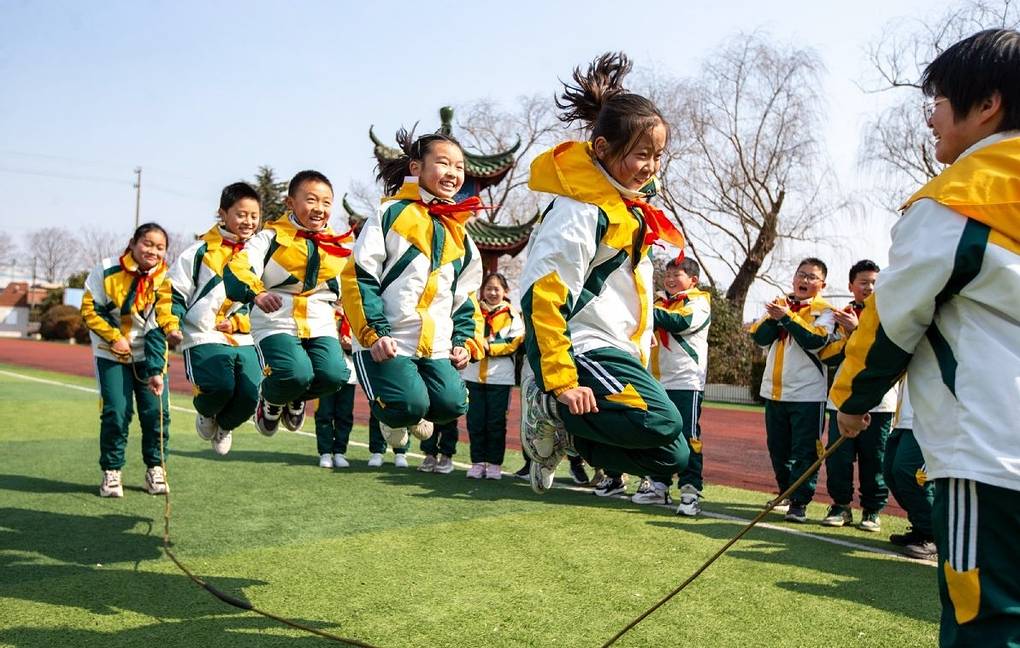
(600,102)
(392,172)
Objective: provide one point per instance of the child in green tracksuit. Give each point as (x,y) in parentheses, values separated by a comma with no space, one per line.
(796,329)
(587,289)
(291,272)
(867,450)
(947,308)
(409,292)
(127,308)
(219,353)
(680,362)
(905,474)
(490,380)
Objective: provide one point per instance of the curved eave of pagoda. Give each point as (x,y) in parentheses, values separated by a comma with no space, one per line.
(352,215)
(490,166)
(504,239)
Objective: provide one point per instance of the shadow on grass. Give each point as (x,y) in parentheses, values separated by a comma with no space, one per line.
(220,631)
(889,578)
(26,484)
(250,456)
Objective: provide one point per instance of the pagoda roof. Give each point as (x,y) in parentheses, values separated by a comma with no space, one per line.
(488,236)
(487,169)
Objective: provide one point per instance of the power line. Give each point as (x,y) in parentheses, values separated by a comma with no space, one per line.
(64,176)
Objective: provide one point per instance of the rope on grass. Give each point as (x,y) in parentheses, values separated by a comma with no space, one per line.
(207,586)
(789,491)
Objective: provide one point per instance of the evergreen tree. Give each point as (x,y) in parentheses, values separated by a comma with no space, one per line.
(272,193)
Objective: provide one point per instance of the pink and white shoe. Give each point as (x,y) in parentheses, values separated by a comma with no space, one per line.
(493,471)
(476,471)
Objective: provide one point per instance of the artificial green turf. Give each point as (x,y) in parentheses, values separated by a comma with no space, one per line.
(399,558)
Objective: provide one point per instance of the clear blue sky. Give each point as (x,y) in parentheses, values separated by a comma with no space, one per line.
(201,93)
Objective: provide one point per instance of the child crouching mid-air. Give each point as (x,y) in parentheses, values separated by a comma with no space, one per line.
(127,307)
(219,353)
(587,283)
(291,272)
(409,292)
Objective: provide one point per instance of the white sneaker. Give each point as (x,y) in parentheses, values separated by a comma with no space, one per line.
(421,431)
(400,460)
(325,460)
(651,492)
(543,436)
(222,441)
(375,460)
(155,481)
(428,465)
(444,466)
(111,485)
(395,437)
(541,477)
(340,461)
(205,427)
(690,501)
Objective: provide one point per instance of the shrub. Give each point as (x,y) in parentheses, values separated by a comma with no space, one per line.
(60,323)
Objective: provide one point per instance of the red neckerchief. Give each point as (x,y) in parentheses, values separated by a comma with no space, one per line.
(345,327)
(144,279)
(795,306)
(458,212)
(662,333)
(855,307)
(659,227)
(490,316)
(328,243)
(233,245)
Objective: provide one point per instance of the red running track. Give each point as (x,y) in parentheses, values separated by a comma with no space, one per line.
(735,451)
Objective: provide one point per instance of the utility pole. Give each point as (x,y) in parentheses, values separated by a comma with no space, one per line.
(138,194)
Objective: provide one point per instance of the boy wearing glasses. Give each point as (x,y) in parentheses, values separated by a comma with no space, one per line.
(948,307)
(796,329)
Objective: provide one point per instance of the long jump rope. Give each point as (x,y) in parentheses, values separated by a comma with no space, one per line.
(247,606)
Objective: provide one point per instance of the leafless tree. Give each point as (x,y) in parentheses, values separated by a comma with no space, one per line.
(8,249)
(176,244)
(53,251)
(96,244)
(744,168)
(486,127)
(898,148)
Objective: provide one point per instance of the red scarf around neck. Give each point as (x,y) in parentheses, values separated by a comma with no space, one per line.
(457,212)
(144,279)
(490,316)
(328,243)
(662,333)
(795,307)
(659,227)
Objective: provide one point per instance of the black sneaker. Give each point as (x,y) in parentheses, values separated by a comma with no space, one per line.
(610,486)
(922,550)
(267,417)
(797,513)
(294,416)
(577,472)
(525,471)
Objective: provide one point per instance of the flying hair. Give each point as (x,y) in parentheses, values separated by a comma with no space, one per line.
(392,172)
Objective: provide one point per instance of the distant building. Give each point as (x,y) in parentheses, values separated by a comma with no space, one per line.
(16,301)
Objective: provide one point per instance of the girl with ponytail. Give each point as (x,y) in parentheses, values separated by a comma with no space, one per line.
(587,288)
(409,291)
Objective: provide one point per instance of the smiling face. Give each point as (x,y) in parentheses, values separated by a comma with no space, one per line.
(149,249)
(312,204)
(492,292)
(676,281)
(863,285)
(955,133)
(639,163)
(441,171)
(242,219)
(808,281)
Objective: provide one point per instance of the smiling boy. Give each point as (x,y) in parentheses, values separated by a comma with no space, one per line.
(795,329)
(948,306)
